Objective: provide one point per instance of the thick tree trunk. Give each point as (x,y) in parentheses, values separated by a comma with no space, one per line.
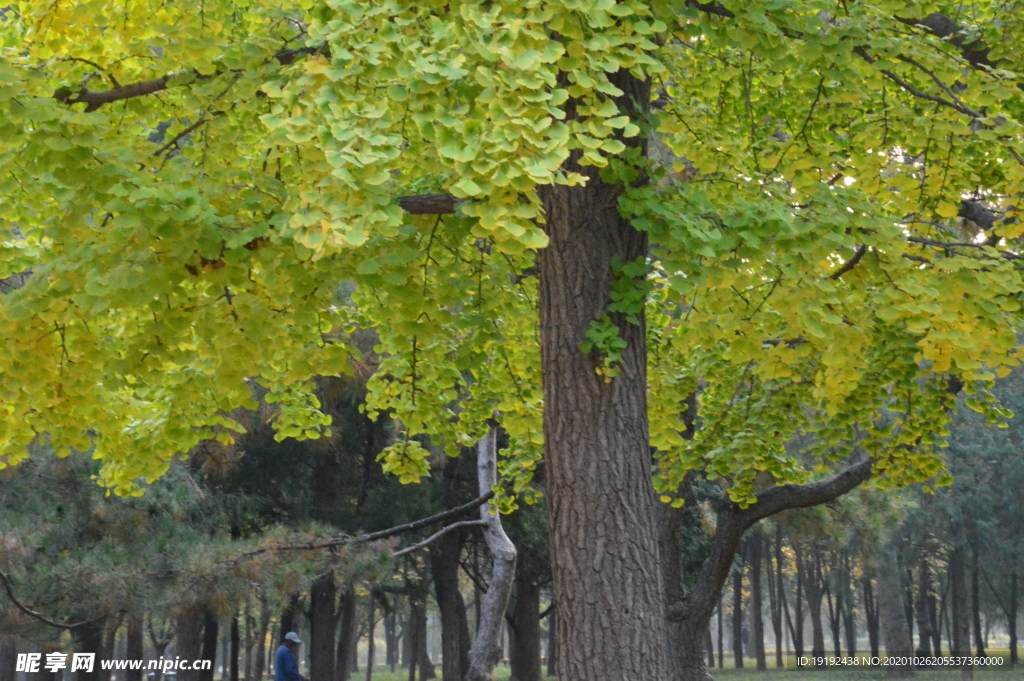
(757,599)
(322,624)
(289,617)
(89,639)
(210,632)
(444,557)
(346,649)
(135,649)
(524,624)
(892,615)
(426,667)
(602,508)
(188,642)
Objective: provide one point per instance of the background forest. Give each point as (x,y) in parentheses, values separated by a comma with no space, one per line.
(204,564)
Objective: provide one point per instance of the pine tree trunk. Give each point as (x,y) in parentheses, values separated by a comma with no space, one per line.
(737,615)
(797,624)
(892,615)
(871,616)
(322,624)
(188,642)
(979,640)
(370,638)
(602,508)
(210,631)
(960,610)
(233,650)
(849,619)
(815,595)
(524,627)
(1012,619)
(721,638)
(444,557)
(346,648)
(261,639)
(756,599)
(391,636)
(136,645)
(779,592)
(8,658)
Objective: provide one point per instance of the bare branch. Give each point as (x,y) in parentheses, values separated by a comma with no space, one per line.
(428,204)
(437,535)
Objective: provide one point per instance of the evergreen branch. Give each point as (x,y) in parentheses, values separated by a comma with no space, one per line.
(8,588)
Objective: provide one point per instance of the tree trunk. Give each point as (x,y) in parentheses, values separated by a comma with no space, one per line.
(756,599)
(777,593)
(670,546)
(89,639)
(871,616)
(909,605)
(815,594)
(444,558)
(835,615)
(487,649)
(721,638)
(524,622)
(289,616)
(136,645)
(346,649)
(709,647)
(737,615)
(960,610)
(892,615)
(323,621)
(233,649)
(371,622)
(796,624)
(261,639)
(602,508)
(979,640)
(1012,618)
(8,658)
(188,642)
(210,631)
(849,618)
(423,656)
(391,635)
(553,644)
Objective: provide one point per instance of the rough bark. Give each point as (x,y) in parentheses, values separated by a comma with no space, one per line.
(322,624)
(89,639)
(892,615)
(487,649)
(553,644)
(678,644)
(602,508)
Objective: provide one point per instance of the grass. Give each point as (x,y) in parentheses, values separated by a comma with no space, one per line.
(1003,673)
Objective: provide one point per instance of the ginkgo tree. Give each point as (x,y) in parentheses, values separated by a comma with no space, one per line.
(619,227)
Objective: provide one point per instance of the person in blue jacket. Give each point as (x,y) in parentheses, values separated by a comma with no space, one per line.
(286,668)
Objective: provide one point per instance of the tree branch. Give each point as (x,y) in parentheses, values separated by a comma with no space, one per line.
(429,204)
(851,263)
(782,497)
(94,99)
(437,535)
(38,615)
